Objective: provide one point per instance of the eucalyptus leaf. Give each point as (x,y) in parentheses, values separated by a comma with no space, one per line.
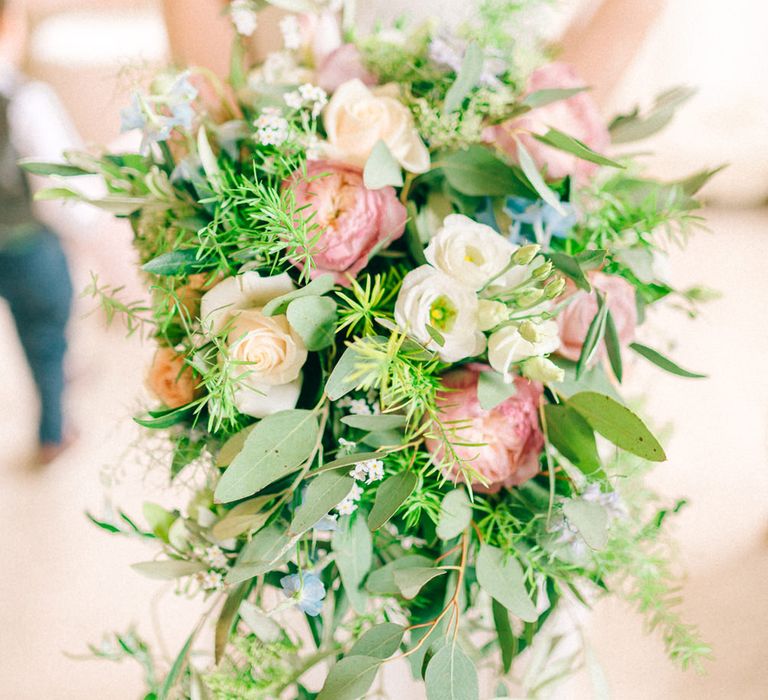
(233,447)
(504,634)
(226,619)
(175,672)
(159,519)
(265,628)
(346,375)
(455,514)
(350,678)
(244,517)
(412,579)
(557,139)
(501,576)
(467,77)
(570,433)
(380,642)
(531,171)
(381,168)
(664,362)
(177,262)
(594,336)
(168,569)
(478,173)
(381,581)
(451,675)
(540,98)
(613,346)
(314,319)
(382,439)
(353,548)
(276,447)
(317,287)
(324,493)
(262,554)
(35,167)
(590,519)
(160,420)
(569,266)
(382,421)
(390,495)
(618,424)
(492,390)
(207,157)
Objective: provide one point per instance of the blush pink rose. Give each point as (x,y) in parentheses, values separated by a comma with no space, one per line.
(575,318)
(352,219)
(578,116)
(342,65)
(502,445)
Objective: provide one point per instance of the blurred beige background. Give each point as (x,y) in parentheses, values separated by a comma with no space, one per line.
(63,582)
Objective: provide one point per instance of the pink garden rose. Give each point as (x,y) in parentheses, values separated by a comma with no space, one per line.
(578,116)
(575,318)
(353,220)
(502,445)
(341,65)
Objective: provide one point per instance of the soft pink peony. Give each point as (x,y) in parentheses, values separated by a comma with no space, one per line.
(502,445)
(353,220)
(578,116)
(341,65)
(575,318)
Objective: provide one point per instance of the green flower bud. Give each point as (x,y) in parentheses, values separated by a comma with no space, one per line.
(554,288)
(543,271)
(529,332)
(540,369)
(529,297)
(524,255)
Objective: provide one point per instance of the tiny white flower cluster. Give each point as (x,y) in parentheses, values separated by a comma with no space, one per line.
(289,26)
(360,407)
(370,470)
(216,557)
(210,580)
(349,504)
(243,16)
(307,96)
(272,129)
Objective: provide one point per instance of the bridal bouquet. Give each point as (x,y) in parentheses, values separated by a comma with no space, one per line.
(395,283)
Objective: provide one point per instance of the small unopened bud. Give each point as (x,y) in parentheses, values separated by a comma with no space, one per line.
(524,255)
(554,288)
(529,297)
(543,271)
(529,332)
(491,313)
(540,369)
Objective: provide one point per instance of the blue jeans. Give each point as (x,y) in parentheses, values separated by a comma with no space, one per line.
(34,279)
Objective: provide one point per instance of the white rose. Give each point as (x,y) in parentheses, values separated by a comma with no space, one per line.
(428,297)
(470,252)
(508,346)
(356,118)
(270,353)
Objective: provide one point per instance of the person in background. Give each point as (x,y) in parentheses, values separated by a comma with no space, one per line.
(34,276)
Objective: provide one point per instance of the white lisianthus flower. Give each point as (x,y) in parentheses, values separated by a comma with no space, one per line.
(470,252)
(269,351)
(540,369)
(428,297)
(508,346)
(491,313)
(358,117)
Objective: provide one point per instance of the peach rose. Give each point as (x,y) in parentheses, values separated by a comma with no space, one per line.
(340,66)
(575,318)
(502,445)
(171,379)
(353,220)
(357,118)
(578,116)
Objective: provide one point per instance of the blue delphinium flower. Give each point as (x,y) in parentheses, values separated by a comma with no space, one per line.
(133,116)
(537,221)
(308,590)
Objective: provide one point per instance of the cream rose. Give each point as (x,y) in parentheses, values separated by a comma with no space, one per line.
(514,343)
(269,351)
(428,297)
(357,117)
